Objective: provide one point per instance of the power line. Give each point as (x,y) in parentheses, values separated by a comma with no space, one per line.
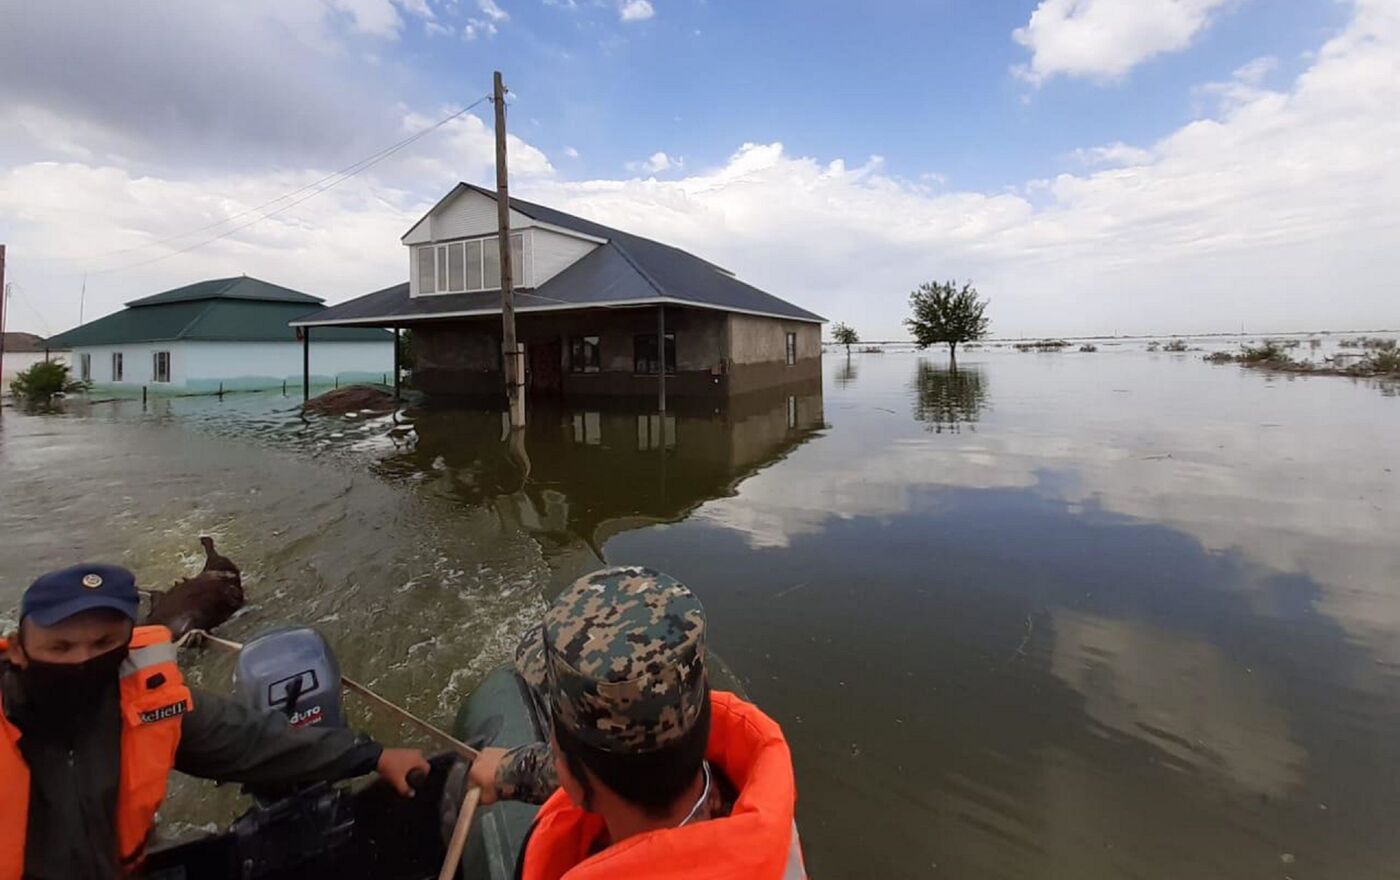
(336,179)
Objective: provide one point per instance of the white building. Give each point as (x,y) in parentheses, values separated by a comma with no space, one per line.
(22,351)
(230,333)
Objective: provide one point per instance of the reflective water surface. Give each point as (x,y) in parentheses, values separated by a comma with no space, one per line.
(1121,614)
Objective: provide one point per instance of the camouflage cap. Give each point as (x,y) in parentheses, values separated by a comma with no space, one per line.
(623,654)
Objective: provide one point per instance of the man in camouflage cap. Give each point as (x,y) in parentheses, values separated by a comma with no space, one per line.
(641,746)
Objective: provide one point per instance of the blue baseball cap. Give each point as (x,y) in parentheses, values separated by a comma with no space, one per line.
(59,595)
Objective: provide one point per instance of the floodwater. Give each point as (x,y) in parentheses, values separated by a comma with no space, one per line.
(1105,615)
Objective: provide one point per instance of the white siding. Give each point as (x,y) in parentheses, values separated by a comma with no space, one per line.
(470,213)
(238,366)
(138,364)
(553,252)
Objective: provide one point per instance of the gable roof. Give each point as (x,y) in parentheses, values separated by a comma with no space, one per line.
(239,287)
(626,270)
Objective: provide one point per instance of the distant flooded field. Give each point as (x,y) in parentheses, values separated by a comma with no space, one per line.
(1081,615)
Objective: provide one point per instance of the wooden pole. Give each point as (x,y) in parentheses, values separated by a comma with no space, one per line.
(3,297)
(510,349)
(305,364)
(453,860)
(661,358)
(398,340)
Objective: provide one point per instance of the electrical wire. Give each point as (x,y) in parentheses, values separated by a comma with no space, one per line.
(336,179)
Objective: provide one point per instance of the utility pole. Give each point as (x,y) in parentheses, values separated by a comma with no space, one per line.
(510,349)
(4,295)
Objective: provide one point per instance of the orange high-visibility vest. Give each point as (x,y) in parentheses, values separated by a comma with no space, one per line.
(154,700)
(757,840)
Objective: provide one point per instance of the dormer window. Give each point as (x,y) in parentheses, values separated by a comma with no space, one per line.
(467,266)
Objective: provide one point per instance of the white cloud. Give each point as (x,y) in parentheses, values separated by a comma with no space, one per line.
(571,152)
(419,8)
(492,11)
(656,163)
(635,10)
(1117,153)
(1107,38)
(476,27)
(434,28)
(376,17)
(1279,209)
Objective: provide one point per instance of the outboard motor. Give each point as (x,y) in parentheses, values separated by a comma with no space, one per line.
(292,671)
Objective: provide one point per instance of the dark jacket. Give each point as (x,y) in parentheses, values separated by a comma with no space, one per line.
(73,784)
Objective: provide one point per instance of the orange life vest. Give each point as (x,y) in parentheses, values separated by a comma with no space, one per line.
(757,840)
(154,700)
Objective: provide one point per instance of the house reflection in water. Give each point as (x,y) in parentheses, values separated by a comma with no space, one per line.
(589,470)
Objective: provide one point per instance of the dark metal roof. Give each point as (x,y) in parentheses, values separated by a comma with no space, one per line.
(627,269)
(241,287)
(224,320)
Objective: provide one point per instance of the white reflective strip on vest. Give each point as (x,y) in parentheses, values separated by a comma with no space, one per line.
(794,869)
(144,658)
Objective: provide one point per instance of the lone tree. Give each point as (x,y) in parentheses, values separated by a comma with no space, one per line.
(843,334)
(946,313)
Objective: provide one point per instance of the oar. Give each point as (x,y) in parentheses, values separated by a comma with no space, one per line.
(464,816)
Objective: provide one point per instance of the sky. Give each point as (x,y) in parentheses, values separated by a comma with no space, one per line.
(1092,166)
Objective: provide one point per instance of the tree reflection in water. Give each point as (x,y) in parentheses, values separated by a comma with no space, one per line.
(846,372)
(948,399)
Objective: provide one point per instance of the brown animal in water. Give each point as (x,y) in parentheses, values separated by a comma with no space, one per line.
(202,602)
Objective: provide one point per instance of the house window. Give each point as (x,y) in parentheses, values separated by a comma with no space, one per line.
(644,354)
(468,266)
(791,349)
(116,366)
(85,367)
(160,366)
(584,355)
(655,431)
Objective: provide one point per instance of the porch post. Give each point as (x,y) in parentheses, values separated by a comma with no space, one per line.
(661,358)
(305,364)
(396,362)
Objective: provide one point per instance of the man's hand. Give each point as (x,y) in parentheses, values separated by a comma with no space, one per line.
(395,765)
(483,773)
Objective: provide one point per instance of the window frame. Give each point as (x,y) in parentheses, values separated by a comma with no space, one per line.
(156,359)
(85,366)
(670,362)
(578,350)
(118,366)
(442,258)
(790,348)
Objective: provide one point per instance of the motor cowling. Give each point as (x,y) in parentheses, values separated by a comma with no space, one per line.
(293,671)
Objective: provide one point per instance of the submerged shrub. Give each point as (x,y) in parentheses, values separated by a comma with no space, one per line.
(1267,351)
(1087,347)
(1176,345)
(41,383)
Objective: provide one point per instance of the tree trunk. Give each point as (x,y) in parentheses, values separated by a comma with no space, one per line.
(953,356)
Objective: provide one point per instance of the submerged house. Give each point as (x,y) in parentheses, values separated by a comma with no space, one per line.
(599,311)
(230,333)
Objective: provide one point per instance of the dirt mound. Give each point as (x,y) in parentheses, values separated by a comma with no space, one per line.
(351,399)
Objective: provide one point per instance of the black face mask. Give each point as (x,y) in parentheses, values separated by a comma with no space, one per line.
(61,697)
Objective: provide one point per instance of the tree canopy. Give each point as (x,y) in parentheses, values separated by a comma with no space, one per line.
(944,312)
(844,334)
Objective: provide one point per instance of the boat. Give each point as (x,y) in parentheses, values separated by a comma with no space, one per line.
(350,831)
